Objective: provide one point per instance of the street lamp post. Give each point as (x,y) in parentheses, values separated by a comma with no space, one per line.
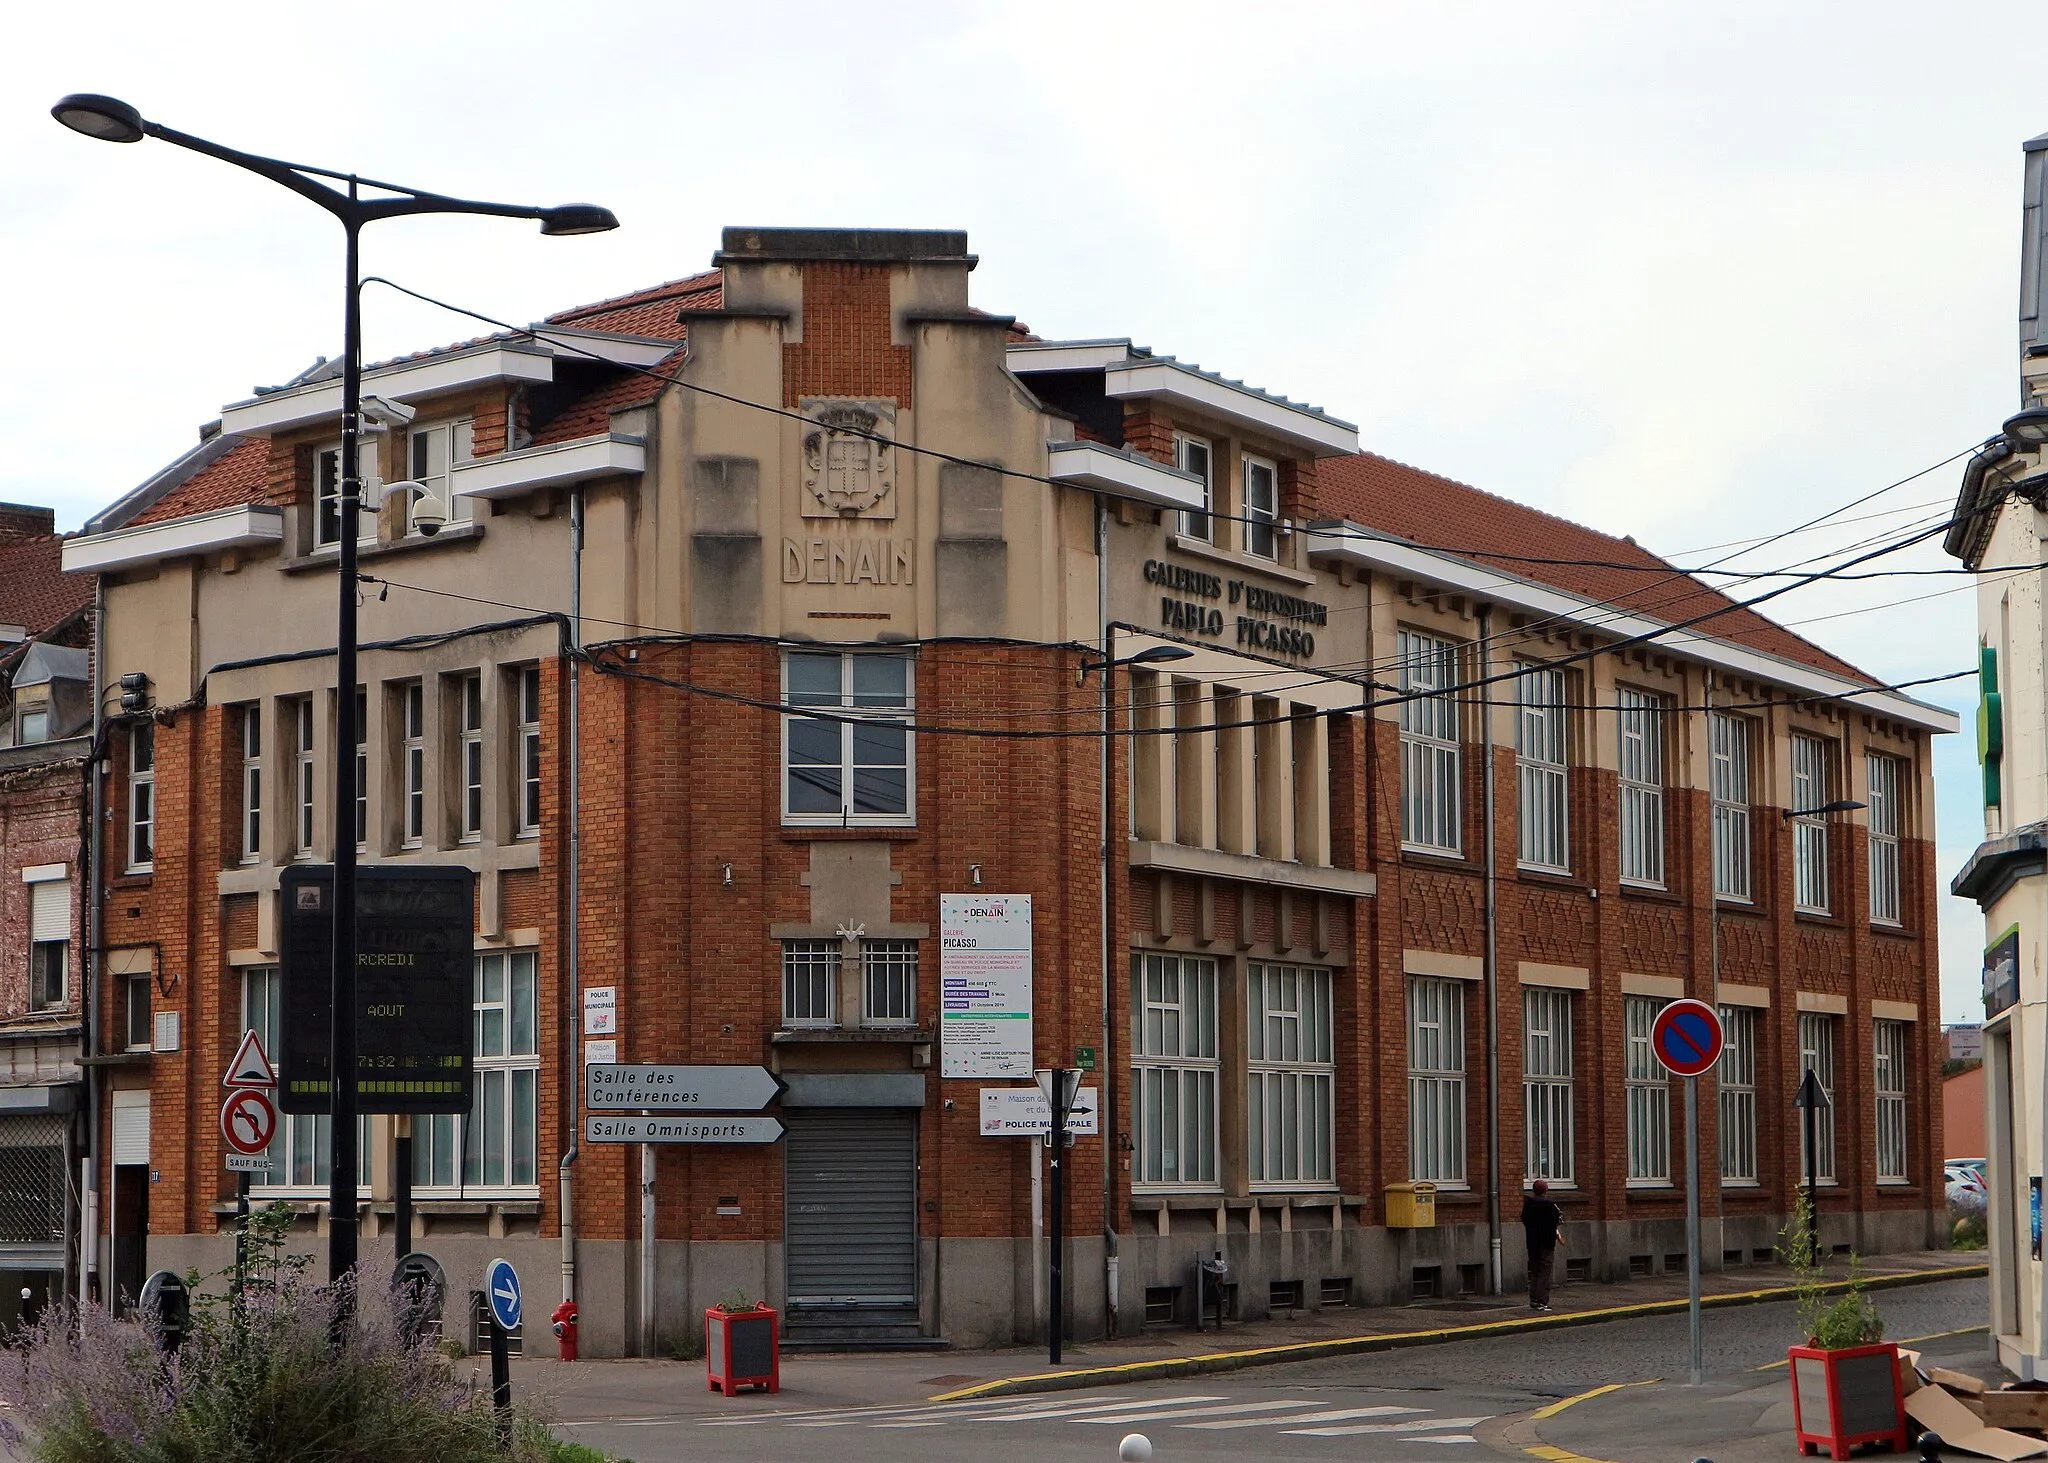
(109,120)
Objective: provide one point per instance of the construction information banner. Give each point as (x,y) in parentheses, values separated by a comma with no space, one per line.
(984,985)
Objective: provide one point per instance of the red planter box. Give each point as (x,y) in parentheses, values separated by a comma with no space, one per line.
(743,1349)
(1847,1396)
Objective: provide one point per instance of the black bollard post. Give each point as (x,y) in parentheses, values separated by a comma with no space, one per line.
(1930,1447)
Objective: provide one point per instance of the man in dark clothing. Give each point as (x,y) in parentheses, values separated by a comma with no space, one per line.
(1541,1220)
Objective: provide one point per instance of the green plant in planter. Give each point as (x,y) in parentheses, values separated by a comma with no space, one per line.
(1831,1318)
(737,1303)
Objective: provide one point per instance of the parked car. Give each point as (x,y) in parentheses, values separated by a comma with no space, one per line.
(1965,1186)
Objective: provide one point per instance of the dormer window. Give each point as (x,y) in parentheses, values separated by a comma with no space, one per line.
(431,451)
(32,725)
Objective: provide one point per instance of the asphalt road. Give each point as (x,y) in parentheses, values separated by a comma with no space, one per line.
(1453,1400)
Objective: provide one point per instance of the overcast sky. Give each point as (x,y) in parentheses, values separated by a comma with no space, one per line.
(1690,273)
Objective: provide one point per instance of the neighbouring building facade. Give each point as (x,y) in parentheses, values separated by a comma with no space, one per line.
(1999,531)
(765,648)
(46,727)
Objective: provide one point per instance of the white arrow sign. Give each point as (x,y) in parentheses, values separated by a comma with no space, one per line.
(682,1130)
(680,1089)
(1009,1111)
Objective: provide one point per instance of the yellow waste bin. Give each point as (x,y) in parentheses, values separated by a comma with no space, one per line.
(1411,1206)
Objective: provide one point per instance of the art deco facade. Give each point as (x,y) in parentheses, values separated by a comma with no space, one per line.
(727,675)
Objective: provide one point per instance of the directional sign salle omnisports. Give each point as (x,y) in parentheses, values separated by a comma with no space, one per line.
(1686,1037)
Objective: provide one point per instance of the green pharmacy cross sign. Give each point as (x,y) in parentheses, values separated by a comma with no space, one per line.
(1990,724)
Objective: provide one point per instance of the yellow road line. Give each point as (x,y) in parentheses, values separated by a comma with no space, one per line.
(1523,1433)
(1389,1340)
(1902,1341)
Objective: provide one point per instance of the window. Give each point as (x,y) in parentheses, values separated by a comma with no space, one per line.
(1889,1038)
(1429,743)
(1540,768)
(1649,1095)
(1547,1083)
(1735,1084)
(1290,1092)
(327,494)
(1809,831)
(1817,1055)
(888,982)
(302,721)
(1729,754)
(136,1013)
(1261,507)
(141,796)
(470,752)
(49,950)
(1436,1080)
(252,782)
(33,725)
(362,820)
(298,1156)
(414,730)
(857,770)
(529,752)
(1885,783)
(432,450)
(1642,787)
(496,1145)
(1191,454)
(810,983)
(1174,1070)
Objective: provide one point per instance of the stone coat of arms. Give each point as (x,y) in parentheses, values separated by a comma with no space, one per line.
(849,461)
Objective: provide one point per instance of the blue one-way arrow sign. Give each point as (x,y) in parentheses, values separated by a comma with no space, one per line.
(501,1284)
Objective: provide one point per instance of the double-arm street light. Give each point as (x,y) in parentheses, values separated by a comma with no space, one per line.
(109,120)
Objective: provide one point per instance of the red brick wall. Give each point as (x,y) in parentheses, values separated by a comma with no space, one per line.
(847,348)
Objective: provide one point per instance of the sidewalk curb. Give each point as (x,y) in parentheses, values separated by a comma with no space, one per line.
(1522,1433)
(1230,1361)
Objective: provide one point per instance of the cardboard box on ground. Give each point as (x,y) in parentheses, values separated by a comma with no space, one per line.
(1969,1417)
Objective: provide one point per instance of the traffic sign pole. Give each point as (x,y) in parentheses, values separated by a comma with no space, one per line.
(1687,1039)
(1692,1222)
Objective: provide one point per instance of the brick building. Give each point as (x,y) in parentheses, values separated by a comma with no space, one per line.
(766,644)
(46,728)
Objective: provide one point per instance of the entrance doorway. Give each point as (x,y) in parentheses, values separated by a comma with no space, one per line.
(850,1224)
(131,1234)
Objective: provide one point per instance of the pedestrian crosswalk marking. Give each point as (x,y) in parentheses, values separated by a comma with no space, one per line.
(1428,1424)
(1450,1438)
(1338,1414)
(1225,1410)
(918,1409)
(1076,1412)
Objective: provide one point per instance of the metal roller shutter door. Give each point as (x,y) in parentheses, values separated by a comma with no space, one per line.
(850,1223)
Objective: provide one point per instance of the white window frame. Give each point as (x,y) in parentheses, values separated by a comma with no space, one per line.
(1889,1047)
(854,714)
(49,943)
(1542,770)
(32,724)
(1198,456)
(1436,1081)
(1291,1076)
(1817,1042)
(810,984)
(298,1154)
(430,451)
(473,810)
(888,982)
(1547,1116)
(327,491)
(1176,1077)
(252,782)
(1886,777)
(528,774)
(1261,505)
(1641,722)
(450,1155)
(1431,796)
(1810,893)
(137,1038)
(1735,1091)
(412,711)
(306,775)
(1728,776)
(141,831)
(1649,1096)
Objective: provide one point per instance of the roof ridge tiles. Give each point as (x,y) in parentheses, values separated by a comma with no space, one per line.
(689,284)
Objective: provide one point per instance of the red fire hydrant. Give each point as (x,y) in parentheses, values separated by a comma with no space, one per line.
(563,1323)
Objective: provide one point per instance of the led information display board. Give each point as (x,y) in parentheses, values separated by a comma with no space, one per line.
(415,988)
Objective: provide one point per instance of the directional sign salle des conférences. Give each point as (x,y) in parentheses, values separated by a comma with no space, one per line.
(680,1089)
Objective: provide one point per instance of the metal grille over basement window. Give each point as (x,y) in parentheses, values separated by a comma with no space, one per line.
(810,982)
(889,981)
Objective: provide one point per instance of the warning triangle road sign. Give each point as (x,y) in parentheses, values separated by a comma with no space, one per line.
(250,1068)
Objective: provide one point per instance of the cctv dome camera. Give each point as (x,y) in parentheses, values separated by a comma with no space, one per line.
(429,515)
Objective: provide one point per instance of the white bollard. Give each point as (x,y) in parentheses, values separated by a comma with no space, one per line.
(1135,1448)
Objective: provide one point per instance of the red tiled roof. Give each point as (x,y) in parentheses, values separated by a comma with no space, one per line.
(592,413)
(1438,512)
(228,481)
(35,592)
(650,311)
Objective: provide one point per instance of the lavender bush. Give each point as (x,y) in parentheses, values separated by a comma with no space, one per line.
(260,1380)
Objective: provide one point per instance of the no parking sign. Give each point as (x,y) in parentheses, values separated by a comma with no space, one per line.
(1687,1037)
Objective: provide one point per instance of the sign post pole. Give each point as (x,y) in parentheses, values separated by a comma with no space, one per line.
(502,1297)
(1686,1038)
(241,1232)
(1695,1372)
(401,1184)
(1057,1139)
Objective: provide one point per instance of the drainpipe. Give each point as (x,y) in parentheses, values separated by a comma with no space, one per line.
(1492,957)
(1105,1059)
(94,962)
(571,971)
